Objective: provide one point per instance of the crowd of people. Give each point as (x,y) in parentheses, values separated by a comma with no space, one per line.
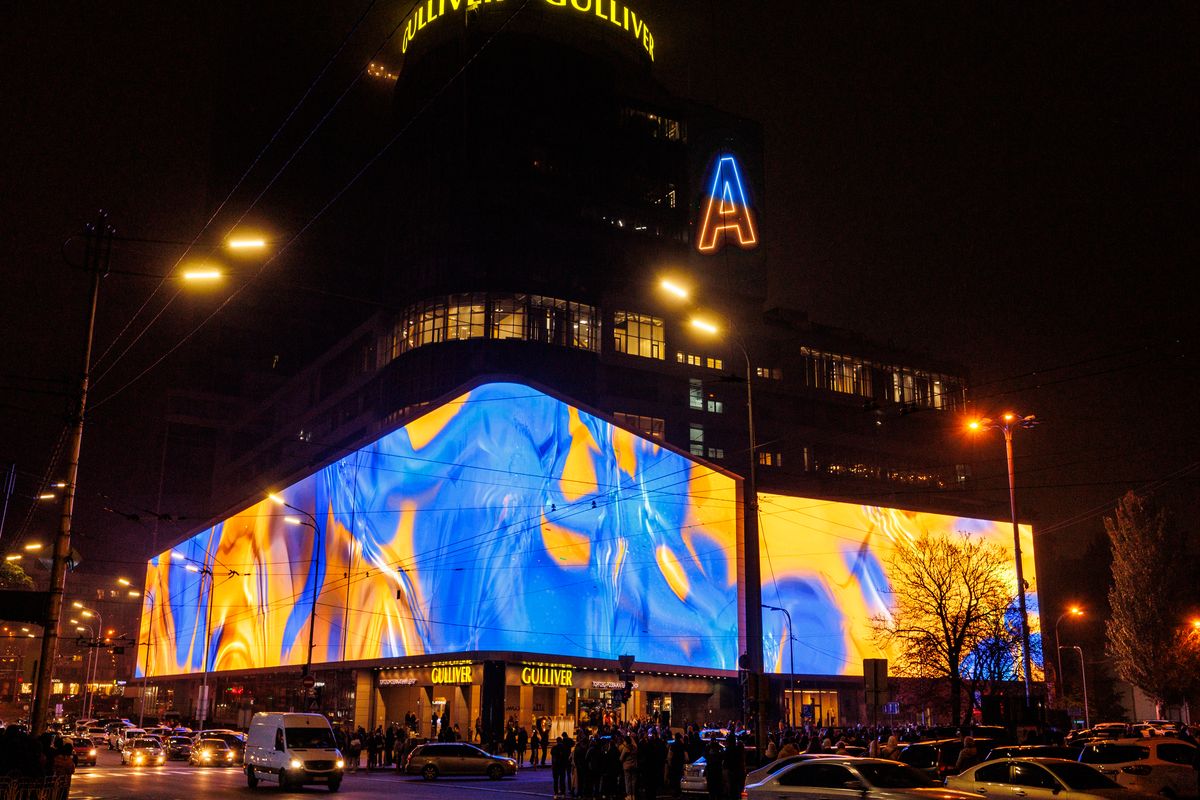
(45,759)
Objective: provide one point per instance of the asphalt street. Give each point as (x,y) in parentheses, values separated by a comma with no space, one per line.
(178,781)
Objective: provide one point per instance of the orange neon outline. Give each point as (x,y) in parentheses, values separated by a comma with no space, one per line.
(717,231)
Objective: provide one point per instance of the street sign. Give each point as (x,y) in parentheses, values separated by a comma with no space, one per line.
(891,708)
(309,681)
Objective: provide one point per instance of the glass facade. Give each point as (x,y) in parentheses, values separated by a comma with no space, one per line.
(853,375)
(480,315)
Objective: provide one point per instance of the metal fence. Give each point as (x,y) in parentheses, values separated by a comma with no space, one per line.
(35,788)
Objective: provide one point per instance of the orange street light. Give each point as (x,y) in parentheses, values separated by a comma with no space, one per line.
(707,327)
(123,581)
(249,243)
(33,547)
(674,288)
(202,275)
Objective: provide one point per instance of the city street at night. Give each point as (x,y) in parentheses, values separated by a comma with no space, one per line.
(108,780)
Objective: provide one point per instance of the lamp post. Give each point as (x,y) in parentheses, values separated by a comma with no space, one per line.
(151,597)
(203,570)
(87,664)
(1073,611)
(92,656)
(318,549)
(791,663)
(1007,423)
(1087,719)
(752,584)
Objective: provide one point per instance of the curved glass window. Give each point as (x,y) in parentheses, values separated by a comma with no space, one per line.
(481,315)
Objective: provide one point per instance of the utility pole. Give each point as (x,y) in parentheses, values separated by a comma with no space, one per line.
(8,488)
(99,245)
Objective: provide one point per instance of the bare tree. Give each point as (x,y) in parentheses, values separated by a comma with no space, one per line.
(950,598)
(1148,639)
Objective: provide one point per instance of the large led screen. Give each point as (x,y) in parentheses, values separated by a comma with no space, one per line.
(830,565)
(504,520)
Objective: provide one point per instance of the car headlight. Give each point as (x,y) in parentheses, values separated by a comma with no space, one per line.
(91,752)
(340,763)
(229,754)
(138,759)
(297,763)
(204,755)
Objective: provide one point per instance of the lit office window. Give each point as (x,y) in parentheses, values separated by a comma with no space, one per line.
(714,363)
(466,316)
(508,317)
(716,452)
(650,427)
(768,459)
(696,439)
(638,335)
(770,373)
(696,394)
(714,406)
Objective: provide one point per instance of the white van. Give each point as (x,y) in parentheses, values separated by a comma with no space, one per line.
(293,749)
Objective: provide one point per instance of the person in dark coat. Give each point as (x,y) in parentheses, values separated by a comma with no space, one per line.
(560,766)
(735,766)
(522,744)
(714,770)
(579,760)
(676,761)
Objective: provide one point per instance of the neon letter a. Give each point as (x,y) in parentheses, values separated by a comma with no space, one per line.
(727,209)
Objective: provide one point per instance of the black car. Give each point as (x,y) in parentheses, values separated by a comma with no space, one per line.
(939,757)
(179,748)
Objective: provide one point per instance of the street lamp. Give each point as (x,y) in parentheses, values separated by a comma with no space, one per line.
(93,656)
(1073,611)
(202,570)
(1087,720)
(1007,423)
(753,580)
(318,550)
(791,662)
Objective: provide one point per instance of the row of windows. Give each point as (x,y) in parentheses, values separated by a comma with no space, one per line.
(852,375)
(478,315)
(650,427)
(638,335)
(699,361)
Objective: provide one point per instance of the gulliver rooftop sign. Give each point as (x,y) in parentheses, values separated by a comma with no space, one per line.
(612,12)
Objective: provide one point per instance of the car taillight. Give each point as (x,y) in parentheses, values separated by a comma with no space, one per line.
(1137,769)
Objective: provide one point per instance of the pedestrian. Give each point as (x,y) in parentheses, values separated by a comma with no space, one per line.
(968,756)
(546,734)
(389,745)
(522,743)
(579,760)
(735,766)
(628,755)
(560,760)
(891,750)
(355,751)
(714,770)
(676,761)
(535,746)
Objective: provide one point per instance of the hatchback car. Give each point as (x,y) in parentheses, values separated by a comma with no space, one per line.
(142,752)
(852,779)
(83,751)
(1039,779)
(1154,766)
(211,753)
(458,758)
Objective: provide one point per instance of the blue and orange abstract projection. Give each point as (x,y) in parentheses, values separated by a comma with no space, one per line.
(503,520)
(829,565)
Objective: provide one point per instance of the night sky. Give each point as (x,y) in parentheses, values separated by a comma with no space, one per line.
(1003,185)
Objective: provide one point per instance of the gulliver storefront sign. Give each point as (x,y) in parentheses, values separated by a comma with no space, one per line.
(460,673)
(548,676)
(612,12)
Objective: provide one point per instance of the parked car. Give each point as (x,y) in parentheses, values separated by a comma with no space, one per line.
(443,758)
(767,770)
(142,752)
(1071,753)
(852,779)
(179,748)
(1159,765)
(211,753)
(939,758)
(83,751)
(1039,779)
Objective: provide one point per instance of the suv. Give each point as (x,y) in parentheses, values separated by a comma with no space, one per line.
(939,758)
(1159,765)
